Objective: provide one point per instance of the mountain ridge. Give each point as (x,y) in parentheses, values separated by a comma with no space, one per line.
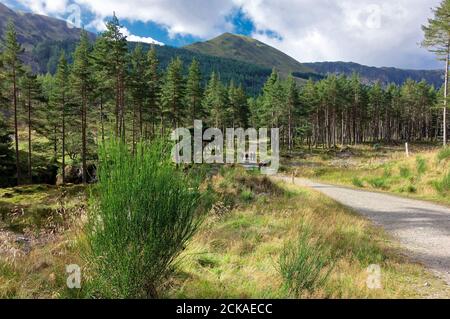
(372,74)
(243,48)
(44,37)
(33,29)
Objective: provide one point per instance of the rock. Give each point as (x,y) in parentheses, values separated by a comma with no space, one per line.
(74,175)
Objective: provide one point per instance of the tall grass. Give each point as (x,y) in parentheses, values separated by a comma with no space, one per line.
(421,165)
(142,212)
(379,182)
(443,185)
(357,182)
(405,172)
(443,154)
(304,265)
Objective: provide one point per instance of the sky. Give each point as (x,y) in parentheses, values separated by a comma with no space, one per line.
(370,32)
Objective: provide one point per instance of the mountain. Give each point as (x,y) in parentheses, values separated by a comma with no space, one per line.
(33,29)
(251,76)
(374,74)
(242,48)
(44,38)
(245,60)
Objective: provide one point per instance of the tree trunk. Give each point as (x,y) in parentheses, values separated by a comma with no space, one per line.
(16,128)
(63,116)
(30,176)
(446,94)
(83,133)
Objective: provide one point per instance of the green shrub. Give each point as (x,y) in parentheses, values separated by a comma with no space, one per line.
(443,186)
(318,172)
(304,266)
(421,165)
(357,182)
(411,188)
(379,182)
(247,195)
(142,213)
(443,154)
(405,172)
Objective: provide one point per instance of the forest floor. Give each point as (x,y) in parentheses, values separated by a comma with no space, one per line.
(251,245)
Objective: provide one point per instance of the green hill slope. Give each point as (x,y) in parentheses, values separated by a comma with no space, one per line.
(249,50)
(33,29)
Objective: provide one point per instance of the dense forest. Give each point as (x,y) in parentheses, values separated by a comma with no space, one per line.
(130,90)
(252,77)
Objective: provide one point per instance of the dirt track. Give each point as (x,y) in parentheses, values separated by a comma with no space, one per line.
(422,228)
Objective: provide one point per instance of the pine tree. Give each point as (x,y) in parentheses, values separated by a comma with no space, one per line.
(292,108)
(105,82)
(12,66)
(6,154)
(308,98)
(47,121)
(153,109)
(61,90)
(242,113)
(194,92)
(138,83)
(82,77)
(272,100)
(215,102)
(32,92)
(117,51)
(437,39)
(233,104)
(172,93)
(237,106)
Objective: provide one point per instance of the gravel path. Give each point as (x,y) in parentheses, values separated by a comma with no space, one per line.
(423,228)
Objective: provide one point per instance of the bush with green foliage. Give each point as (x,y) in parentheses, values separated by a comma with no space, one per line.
(378,182)
(405,172)
(357,182)
(142,213)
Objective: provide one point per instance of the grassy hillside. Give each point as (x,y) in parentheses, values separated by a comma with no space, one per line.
(373,74)
(246,49)
(261,240)
(425,174)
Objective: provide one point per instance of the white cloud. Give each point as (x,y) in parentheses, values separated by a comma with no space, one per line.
(180,17)
(45,6)
(373,32)
(136,38)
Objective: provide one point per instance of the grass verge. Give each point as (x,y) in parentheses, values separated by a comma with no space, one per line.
(295,244)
